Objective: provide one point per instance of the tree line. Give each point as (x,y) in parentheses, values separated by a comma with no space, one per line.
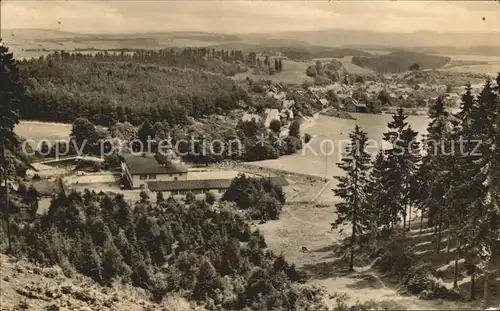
(451,178)
(105,92)
(226,62)
(200,144)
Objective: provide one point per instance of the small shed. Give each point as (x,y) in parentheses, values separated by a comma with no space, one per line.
(355,106)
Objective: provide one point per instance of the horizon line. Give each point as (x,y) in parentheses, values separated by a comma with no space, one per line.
(244,33)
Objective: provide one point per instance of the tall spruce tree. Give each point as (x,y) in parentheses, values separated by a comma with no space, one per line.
(409,147)
(377,195)
(355,163)
(401,162)
(11,95)
(487,219)
(436,162)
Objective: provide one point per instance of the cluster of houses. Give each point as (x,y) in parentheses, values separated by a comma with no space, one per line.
(170,177)
(395,90)
(285,113)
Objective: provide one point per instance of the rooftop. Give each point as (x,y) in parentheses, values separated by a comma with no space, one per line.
(201,184)
(147,164)
(356,103)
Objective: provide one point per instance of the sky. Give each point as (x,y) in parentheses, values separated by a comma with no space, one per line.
(130,16)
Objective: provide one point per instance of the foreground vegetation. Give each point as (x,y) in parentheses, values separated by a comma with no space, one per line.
(454,186)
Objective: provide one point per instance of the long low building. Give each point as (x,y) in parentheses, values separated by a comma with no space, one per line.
(180,188)
(139,169)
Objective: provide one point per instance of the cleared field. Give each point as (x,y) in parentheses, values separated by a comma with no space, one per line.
(97,178)
(491,69)
(38,131)
(490,64)
(293,73)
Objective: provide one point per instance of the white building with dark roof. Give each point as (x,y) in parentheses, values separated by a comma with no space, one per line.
(199,187)
(270,115)
(139,169)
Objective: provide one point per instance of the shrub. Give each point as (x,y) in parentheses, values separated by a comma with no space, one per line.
(210,198)
(307,137)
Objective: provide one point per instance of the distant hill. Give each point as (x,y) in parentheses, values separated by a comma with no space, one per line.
(400,61)
(35,42)
(481,50)
(339,37)
(320,44)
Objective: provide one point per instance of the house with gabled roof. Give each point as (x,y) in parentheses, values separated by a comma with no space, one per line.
(354,106)
(139,169)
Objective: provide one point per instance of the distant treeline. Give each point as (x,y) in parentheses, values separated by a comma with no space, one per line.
(227,62)
(62,86)
(400,61)
(309,54)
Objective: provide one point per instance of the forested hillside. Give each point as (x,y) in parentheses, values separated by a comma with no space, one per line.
(309,53)
(209,255)
(451,179)
(60,88)
(226,62)
(400,61)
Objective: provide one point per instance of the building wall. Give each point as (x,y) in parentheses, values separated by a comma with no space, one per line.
(179,195)
(351,108)
(136,180)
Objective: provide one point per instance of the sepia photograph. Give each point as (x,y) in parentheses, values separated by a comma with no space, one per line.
(208,155)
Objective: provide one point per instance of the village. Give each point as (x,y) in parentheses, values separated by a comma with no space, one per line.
(355,97)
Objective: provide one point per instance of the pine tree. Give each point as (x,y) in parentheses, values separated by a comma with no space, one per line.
(11,95)
(464,190)
(145,134)
(410,158)
(487,220)
(401,161)
(355,163)
(436,165)
(377,195)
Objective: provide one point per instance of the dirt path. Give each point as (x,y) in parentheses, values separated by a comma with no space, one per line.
(309,226)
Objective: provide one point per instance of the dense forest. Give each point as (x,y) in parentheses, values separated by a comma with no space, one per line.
(226,62)
(400,61)
(450,178)
(60,89)
(209,255)
(313,52)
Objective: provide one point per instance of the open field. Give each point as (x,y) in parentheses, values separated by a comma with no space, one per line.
(474,63)
(38,131)
(293,73)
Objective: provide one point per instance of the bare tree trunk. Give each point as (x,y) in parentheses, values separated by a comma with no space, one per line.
(438,237)
(421,221)
(7,210)
(486,279)
(353,241)
(455,275)
(448,243)
(473,285)
(404,218)
(409,219)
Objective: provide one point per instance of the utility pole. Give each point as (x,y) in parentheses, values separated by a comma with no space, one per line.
(6,211)
(326,165)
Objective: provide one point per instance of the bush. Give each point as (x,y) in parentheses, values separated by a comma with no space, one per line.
(307,137)
(210,198)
